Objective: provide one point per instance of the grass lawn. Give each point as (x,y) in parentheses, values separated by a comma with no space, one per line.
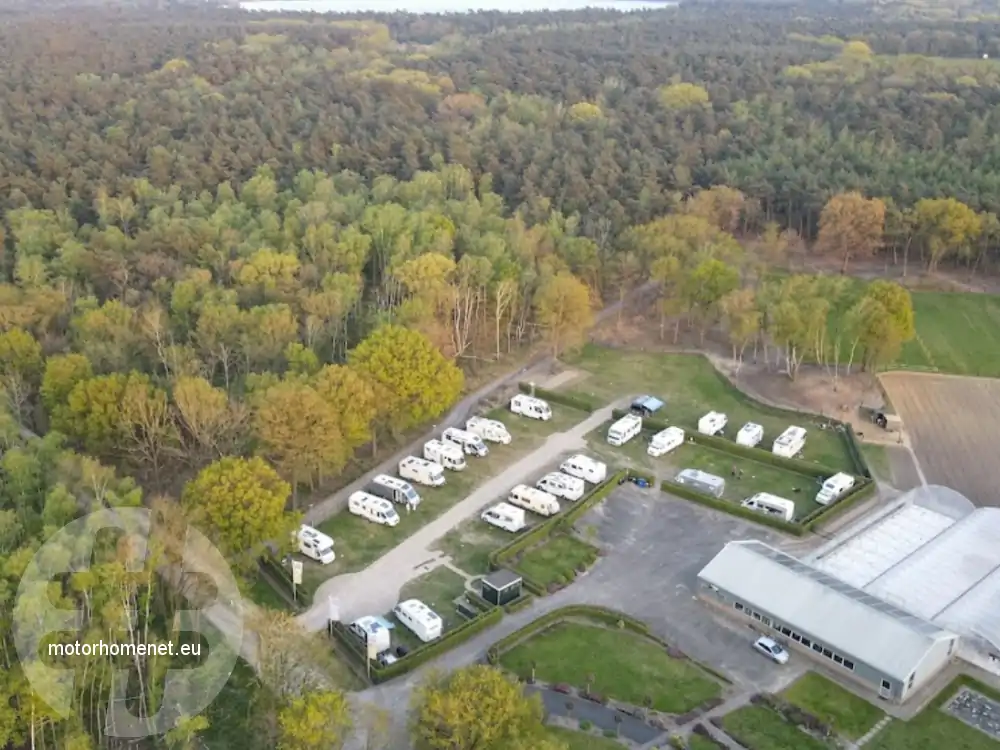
(558,557)
(845,712)
(625,666)
(263,594)
(760,728)
(697,742)
(956,332)
(437,589)
(471,543)
(230,715)
(574,740)
(521,428)
(877,457)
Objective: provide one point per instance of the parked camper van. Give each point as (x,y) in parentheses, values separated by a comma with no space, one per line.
(702,481)
(585,468)
(394,489)
(771,504)
(790,443)
(489,429)
(315,544)
(374,509)
(421,471)
(529,406)
(470,443)
(835,488)
(712,423)
(750,435)
(370,629)
(624,429)
(449,455)
(419,619)
(505,516)
(533,499)
(665,441)
(562,485)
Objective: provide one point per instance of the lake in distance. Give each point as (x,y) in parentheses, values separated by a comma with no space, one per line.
(444,6)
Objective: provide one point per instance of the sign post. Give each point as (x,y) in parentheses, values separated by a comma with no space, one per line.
(296,578)
(332,612)
(372,653)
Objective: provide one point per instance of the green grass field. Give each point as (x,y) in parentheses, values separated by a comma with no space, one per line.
(438,590)
(760,728)
(957,333)
(848,715)
(557,558)
(471,543)
(697,742)
(574,740)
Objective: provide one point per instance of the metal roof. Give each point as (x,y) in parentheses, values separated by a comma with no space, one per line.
(833,612)
(501,579)
(649,403)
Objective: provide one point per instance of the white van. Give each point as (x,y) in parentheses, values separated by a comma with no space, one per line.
(316,545)
(790,443)
(469,442)
(419,619)
(624,429)
(533,499)
(665,441)
(529,406)
(585,468)
(712,423)
(449,455)
(750,435)
(835,488)
(771,504)
(562,485)
(505,517)
(370,629)
(421,471)
(394,489)
(374,509)
(489,429)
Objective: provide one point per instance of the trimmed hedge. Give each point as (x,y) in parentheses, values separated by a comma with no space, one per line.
(522,602)
(478,602)
(573,401)
(732,508)
(823,514)
(302,596)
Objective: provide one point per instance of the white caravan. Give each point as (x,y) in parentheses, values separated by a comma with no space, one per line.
(421,471)
(562,485)
(449,455)
(533,499)
(394,489)
(371,508)
(790,443)
(585,468)
(712,423)
(702,481)
(505,517)
(315,544)
(835,488)
(624,429)
(750,435)
(370,629)
(772,505)
(469,442)
(489,429)
(419,619)
(665,441)
(529,406)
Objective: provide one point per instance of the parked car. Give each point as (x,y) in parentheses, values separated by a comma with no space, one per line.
(637,481)
(771,650)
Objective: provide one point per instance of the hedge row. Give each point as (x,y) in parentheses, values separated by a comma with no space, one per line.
(302,596)
(478,602)
(522,602)
(732,508)
(824,513)
(573,401)
(854,451)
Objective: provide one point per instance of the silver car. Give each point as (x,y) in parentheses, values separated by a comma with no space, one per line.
(771,650)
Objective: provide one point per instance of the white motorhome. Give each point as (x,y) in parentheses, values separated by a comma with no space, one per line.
(316,545)
(533,499)
(421,471)
(702,481)
(419,619)
(449,455)
(371,508)
(562,485)
(585,468)
(469,442)
(772,505)
(835,488)
(712,423)
(790,443)
(370,629)
(529,406)
(624,429)
(394,489)
(750,435)
(505,517)
(665,441)
(489,429)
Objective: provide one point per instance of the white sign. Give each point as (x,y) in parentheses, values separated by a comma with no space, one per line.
(372,650)
(296,572)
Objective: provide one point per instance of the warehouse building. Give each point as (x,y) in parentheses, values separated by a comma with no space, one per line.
(863,637)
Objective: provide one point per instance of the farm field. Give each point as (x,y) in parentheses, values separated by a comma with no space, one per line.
(846,713)
(953,423)
(956,333)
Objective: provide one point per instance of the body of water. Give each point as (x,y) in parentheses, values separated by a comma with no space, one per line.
(445,6)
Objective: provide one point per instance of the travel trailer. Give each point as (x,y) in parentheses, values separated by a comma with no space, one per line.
(771,505)
(750,435)
(489,429)
(562,485)
(449,455)
(702,481)
(790,443)
(315,544)
(624,429)
(835,488)
(529,406)
(372,630)
(394,489)
(421,471)
(469,442)
(419,619)
(712,423)
(371,508)
(533,499)
(505,517)
(585,468)
(665,441)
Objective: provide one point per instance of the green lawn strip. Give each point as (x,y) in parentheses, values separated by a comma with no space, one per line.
(470,544)
(575,740)
(843,711)
(697,742)
(521,427)
(877,457)
(760,728)
(558,557)
(625,666)
(265,595)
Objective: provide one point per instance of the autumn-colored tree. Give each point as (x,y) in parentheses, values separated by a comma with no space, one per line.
(703,288)
(147,427)
(887,322)
(184,734)
(20,368)
(742,319)
(722,206)
(316,720)
(92,413)
(945,226)
(564,311)
(212,425)
(851,225)
(681,96)
(62,373)
(352,399)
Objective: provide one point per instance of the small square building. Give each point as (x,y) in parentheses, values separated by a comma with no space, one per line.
(501,587)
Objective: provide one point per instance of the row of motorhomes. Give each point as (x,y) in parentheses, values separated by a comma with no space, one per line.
(374,633)
(787,445)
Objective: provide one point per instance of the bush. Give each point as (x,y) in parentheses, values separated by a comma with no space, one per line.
(573,401)
(302,596)
(732,508)
(821,515)
(478,602)
(595,698)
(585,725)
(522,602)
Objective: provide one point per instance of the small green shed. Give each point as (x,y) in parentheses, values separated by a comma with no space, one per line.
(501,587)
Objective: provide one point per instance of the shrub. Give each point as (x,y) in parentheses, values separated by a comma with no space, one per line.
(563,688)
(478,602)
(523,601)
(821,515)
(595,698)
(585,725)
(572,400)
(731,508)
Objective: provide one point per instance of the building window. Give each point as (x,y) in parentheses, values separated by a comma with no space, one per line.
(848,664)
(909,683)
(886,685)
(827,653)
(817,648)
(766,620)
(838,658)
(738,606)
(756,615)
(776,626)
(806,641)
(786,631)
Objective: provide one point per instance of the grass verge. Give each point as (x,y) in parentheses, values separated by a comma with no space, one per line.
(556,560)
(760,728)
(469,545)
(843,711)
(574,740)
